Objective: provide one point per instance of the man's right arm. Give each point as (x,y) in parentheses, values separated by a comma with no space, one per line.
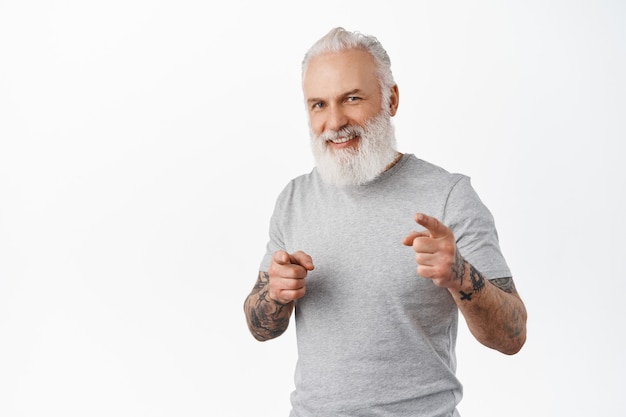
(266,317)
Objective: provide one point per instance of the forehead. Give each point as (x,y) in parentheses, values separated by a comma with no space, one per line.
(336,73)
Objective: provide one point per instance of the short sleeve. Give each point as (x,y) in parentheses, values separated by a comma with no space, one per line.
(474,229)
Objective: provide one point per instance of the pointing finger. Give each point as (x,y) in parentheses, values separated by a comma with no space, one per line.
(302,259)
(281,257)
(434,226)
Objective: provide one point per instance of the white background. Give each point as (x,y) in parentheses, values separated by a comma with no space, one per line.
(142,145)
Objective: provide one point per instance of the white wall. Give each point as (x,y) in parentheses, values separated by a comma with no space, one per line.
(142,144)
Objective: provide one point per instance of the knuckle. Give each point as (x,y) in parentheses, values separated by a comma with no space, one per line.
(447,261)
(441,270)
(273,270)
(448,246)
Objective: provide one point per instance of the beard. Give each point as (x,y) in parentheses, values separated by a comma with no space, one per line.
(376,150)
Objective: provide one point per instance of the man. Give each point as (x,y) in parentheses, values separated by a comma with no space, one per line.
(374,337)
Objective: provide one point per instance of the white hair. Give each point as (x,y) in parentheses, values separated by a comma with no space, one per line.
(339,39)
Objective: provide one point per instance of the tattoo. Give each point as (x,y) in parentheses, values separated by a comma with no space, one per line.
(500,318)
(505,284)
(266,318)
(466,296)
(458,269)
(478,281)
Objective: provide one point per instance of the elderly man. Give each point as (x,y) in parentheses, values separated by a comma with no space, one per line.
(376,251)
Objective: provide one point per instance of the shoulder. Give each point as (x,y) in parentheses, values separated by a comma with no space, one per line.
(299,189)
(300,183)
(429,175)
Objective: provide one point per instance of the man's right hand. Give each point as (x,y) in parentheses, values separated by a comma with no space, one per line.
(288,275)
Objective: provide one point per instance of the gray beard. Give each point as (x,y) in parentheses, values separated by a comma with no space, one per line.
(356,166)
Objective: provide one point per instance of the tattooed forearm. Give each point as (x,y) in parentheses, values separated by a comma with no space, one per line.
(458,269)
(266,318)
(514,319)
(495,314)
(477,279)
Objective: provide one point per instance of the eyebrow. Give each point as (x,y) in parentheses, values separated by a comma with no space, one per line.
(346,94)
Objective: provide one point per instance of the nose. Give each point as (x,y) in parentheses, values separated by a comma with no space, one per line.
(336,118)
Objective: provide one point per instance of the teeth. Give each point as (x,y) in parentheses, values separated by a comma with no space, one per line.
(342,140)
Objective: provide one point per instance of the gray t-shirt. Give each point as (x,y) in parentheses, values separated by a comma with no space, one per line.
(374,338)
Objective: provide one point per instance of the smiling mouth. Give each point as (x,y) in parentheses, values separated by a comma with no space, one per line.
(342,139)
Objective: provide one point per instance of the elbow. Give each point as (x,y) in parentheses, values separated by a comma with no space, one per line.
(256,330)
(259,337)
(516,339)
(515,345)
(263,332)
(508,345)
(263,336)
(517,333)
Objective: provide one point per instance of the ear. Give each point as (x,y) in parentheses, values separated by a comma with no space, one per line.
(394,100)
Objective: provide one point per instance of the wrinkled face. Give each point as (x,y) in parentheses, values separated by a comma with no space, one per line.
(341,89)
(351,133)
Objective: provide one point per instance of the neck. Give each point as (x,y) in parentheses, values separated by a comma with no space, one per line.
(395,161)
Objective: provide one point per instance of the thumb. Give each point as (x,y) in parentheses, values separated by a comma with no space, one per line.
(408,239)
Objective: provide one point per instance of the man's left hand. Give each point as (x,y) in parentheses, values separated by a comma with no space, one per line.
(436,252)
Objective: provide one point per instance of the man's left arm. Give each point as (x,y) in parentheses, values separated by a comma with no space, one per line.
(493,310)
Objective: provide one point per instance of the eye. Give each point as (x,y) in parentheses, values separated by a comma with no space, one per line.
(318,105)
(353,98)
